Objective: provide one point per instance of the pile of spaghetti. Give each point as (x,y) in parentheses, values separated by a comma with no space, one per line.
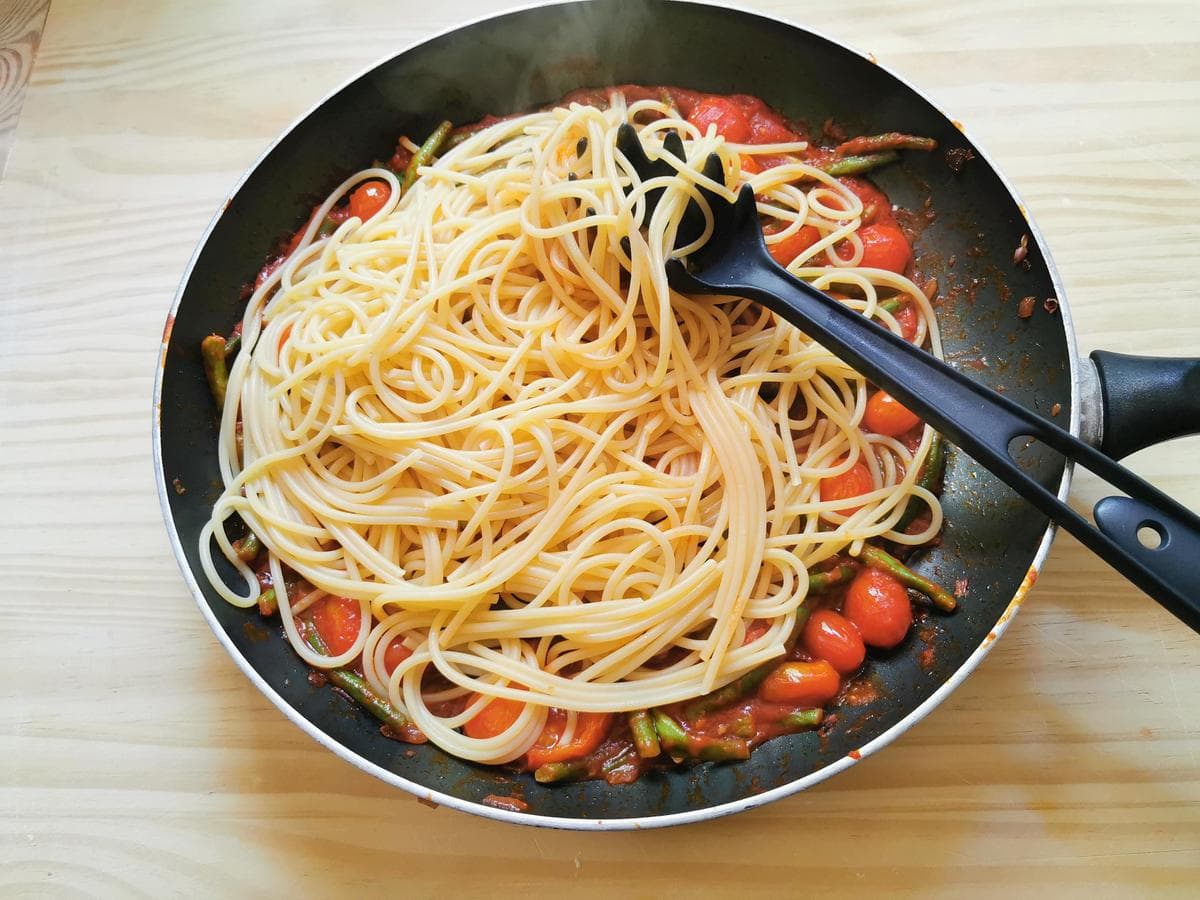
(537,472)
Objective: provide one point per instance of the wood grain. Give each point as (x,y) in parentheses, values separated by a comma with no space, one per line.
(138,761)
(20,31)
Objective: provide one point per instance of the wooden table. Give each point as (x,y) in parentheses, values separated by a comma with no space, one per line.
(137,759)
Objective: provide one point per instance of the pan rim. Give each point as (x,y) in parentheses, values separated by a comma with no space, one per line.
(644,821)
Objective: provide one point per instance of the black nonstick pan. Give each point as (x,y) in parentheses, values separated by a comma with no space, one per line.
(993,543)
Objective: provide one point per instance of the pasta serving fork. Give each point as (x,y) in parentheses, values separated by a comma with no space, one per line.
(983,423)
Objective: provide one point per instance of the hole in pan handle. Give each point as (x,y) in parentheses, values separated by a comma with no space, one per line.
(975,418)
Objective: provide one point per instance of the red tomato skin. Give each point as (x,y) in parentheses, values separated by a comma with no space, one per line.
(832,637)
(906,316)
(494,718)
(731,120)
(879,607)
(750,165)
(337,620)
(854,482)
(783,252)
(395,654)
(884,247)
(877,208)
(805,684)
(886,415)
(768,128)
(368,198)
(590,732)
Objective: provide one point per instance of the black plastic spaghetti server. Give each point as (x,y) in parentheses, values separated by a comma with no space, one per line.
(984,424)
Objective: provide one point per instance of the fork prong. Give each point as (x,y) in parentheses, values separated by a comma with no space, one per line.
(673,144)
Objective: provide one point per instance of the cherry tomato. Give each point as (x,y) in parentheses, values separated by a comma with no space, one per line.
(852,483)
(590,731)
(337,620)
(750,165)
(369,199)
(801,683)
(884,247)
(731,120)
(833,638)
(756,629)
(792,246)
(906,316)
(879,607)
(885,415)
(876,206)
(494,719)
(768,128)
(395,654)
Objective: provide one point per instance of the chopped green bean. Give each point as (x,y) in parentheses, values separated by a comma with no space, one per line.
(880,559)
(268,602)
(857,165)
(645,738)
(727,695)
(248,548)
(567,770)
(356,686)
(212,355)
(823,581)
(930,475)
(425,154)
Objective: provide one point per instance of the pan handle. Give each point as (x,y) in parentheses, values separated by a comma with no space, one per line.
(1147,400)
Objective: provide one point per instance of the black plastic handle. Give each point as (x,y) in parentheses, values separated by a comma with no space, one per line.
(980,421)
(1147,400)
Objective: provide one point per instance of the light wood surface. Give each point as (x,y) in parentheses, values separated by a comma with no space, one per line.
(137,760)
(20,30)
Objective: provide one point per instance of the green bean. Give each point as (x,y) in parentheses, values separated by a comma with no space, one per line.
(823,581)
(803,719)
(727,695)
(268,602)
(356,686)
(930,475)
(232,346)
(212,355)
(857,165)
(722,749)
(892,304)
(567,770)
(425,154)
(880,559)
(670,733)
(248,548)
(892,140)
(645,738)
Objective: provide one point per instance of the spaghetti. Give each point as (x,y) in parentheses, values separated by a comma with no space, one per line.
(542,477)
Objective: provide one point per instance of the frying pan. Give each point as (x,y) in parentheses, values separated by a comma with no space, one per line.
(993,543)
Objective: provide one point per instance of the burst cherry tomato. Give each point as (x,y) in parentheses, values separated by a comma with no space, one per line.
(731,120)
(494,719)
(852,483)
(750,165)
(879,607)
(590,732)
(395,654)
(876,206)
(834,638)
(884,247)
(906,317)
(768,128)
(801,684)
(885,415)
(783,252)
(369,199)
(337,620)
